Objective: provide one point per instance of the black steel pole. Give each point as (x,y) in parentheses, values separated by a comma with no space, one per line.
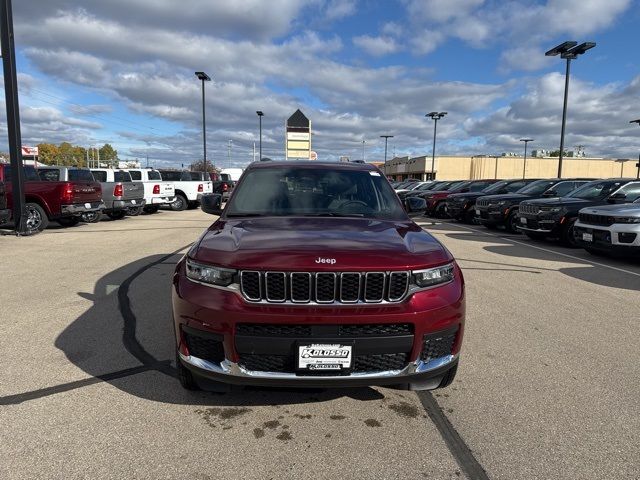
(524,167)
(564,117)
(386,139)
(638,165)
(13,115)
(260,117)
(433,151)
(204,132)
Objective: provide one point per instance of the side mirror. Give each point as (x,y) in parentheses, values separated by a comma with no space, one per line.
(415,206)
(550,193)
(211,204)
(617,198)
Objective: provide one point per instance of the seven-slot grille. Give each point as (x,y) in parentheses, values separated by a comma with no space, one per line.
(529,209)
(323,287)
(482,202)
(590,219)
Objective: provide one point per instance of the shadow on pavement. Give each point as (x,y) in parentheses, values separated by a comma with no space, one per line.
(103,344)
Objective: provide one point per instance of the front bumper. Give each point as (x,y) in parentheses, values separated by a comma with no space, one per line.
(217,314)
(491,215)
(80,208)
(544,224)
(456,210)
(617,237)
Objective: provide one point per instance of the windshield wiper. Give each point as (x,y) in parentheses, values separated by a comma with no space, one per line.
(332,214)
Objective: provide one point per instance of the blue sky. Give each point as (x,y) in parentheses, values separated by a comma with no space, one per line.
(121,72)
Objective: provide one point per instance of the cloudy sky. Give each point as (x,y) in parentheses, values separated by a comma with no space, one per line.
(122,71)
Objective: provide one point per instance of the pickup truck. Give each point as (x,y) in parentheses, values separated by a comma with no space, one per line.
(188,190)
(156,191)
(61,201)
(5,213)
(119,192)
(354,294)
(222,184)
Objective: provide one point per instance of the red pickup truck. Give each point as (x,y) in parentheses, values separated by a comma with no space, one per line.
(63,202)
(314,275)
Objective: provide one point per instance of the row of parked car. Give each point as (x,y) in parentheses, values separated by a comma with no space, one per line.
(599,215)
(69,195)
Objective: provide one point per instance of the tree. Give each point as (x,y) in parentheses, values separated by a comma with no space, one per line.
(109,155)
(198,166)
(48,153)
(556,153)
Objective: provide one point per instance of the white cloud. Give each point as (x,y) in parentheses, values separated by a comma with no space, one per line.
(339,9)
(376,46)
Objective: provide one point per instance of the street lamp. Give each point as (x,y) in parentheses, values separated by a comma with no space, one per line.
(637,164)
(435,116)
(524,167)
(260,115)
(363,142)
(569,51)
(386,139)
(204,78)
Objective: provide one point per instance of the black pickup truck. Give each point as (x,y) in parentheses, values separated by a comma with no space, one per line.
(222,184)
(555,217)
(496,210)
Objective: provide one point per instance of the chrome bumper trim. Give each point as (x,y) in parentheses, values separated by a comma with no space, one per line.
(227,367)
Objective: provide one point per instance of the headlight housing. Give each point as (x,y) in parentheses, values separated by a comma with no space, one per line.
(433,276)
(627,219)
(209,273)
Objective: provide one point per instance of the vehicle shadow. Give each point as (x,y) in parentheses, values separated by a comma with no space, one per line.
(129,329)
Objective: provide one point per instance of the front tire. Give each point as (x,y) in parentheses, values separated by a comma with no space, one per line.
(180,203)
(511,224)
(185,377)
(448,377)
(37,219)
(567,234)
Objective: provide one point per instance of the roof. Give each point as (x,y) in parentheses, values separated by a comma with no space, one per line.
(313,164)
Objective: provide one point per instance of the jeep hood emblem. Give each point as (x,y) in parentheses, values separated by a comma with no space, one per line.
(331,261)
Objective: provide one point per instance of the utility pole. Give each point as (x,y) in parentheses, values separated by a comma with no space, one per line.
(254,151)
(20,215)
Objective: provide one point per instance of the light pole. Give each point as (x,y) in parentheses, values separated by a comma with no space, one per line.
(569,51)
(204,78)
(435,116)
(524,167)
(230,144)
(363,142)
(386,139)
(260,115)
(637,164)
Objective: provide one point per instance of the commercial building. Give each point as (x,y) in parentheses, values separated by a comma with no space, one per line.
(486,166)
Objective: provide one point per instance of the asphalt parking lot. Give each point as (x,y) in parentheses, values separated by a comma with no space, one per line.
(547,386)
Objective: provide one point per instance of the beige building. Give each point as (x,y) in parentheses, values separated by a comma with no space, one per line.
(483,167)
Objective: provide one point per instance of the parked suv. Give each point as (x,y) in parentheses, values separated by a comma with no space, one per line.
(495,210)
(461,206)
(555,217)
(611,228)
(437,199)
(315,276)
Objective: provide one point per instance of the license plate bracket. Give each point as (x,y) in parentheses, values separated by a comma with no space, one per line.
(325,358)
(587,237)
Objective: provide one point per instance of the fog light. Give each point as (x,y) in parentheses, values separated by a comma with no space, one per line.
(627,237)
(437,345)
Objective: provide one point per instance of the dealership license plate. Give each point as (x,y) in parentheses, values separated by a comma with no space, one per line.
(87,205)
(133,202)
(477,211)
(324,357)
(587,237)
(523,220)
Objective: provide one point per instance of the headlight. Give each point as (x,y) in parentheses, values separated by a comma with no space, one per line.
(463,199)
(627,220)
(433,276)
(209,274)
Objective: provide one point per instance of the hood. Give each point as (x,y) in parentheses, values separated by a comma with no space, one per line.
(507,197)
(470,195)
(317,244)
(629,209)
(563,201)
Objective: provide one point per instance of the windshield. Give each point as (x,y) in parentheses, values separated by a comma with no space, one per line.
(308,191)
(456,186)
(80,175)
(537,188)
(597,189)
(495,187)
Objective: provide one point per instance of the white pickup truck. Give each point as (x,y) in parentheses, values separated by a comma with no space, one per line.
(188,191)
(157,192)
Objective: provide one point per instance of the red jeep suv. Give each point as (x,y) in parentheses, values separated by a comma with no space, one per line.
(314,275)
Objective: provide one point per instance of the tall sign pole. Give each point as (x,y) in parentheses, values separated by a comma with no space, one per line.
(13,115)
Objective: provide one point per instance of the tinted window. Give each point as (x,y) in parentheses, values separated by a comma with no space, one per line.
(564,188)
(479,186)
(153,175)
(537,188)
(121,176)
(99,175)
(80,175)
(135,175)
(195,175)
(457,187)
(284,191)
(30,174)
(225,176)
(186,176)
(49,175)
(515,186)
(632,191)
(595,190)
(171,175)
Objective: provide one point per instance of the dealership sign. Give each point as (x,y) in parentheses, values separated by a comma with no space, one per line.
(298,137)
(30,151)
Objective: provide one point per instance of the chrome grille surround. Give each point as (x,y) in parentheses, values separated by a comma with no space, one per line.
(324,287)
(529,209)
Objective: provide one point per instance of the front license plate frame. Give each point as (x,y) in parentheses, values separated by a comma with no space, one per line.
(587,237)
(324,357)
